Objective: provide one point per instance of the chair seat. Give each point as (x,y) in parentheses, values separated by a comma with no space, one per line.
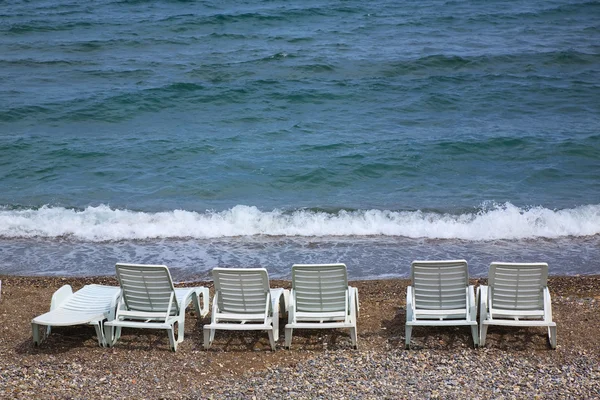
(236,327)
(512,322)
(320,325)
(443,322)
(142,324)
(61,317)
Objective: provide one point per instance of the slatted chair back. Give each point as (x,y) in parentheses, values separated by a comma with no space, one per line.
(147,288)
(440,285)
(517,286)
(241,290)
(320,288)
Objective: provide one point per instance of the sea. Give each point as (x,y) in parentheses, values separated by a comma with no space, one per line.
(263,133)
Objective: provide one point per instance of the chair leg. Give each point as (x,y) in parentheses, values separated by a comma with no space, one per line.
(475,333)
(99,334)
(208,338)
(482,334)
(276,328)
(288,337)
(407,334)
(110,336)
(353,336)
(552,336)
(37,339)
(172,341)
(271,339)
(180,330)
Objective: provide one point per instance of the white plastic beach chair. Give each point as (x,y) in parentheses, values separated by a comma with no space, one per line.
(321,299)
(440,295)
(92,304)
(516,295)
(244,301)
(150,301)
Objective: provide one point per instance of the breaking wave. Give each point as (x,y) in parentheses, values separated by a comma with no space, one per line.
(494,222)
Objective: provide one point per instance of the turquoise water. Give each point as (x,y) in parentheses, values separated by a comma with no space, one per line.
(264,133)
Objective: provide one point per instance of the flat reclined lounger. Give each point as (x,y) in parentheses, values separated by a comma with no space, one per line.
(92,304)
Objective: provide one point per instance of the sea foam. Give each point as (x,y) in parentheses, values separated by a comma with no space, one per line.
(102,223)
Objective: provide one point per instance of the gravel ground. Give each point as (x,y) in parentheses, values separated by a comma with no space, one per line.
(516,363)
(423,374)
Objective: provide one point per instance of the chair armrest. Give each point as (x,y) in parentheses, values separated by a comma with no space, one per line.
(547,305)
(60,296)
(114,303)
(215,308)
(482,293)
(281,298)
(292,307)
(410,306)
(471,303)
(354,303)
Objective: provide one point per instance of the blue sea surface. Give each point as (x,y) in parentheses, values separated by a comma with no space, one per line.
(267,133)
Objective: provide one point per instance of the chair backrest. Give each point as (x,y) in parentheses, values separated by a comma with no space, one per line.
(147,288)
(241,290)
(440,285)
(517,286)
(320,287)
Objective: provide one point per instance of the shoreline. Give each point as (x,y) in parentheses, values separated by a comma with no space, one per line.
(442,362)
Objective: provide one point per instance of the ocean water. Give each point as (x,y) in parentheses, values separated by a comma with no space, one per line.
(269,132)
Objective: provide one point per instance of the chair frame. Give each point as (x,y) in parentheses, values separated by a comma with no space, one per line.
(244,301)
(150,301)
(530,298)
(434,298)
(331,314)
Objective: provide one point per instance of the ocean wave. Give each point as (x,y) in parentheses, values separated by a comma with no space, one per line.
(491,222)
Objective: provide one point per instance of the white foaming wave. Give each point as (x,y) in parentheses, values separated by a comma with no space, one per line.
(103,223)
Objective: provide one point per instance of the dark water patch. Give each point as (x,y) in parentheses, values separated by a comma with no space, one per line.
(112,108)
(569,58)
(317,68)
(46,26)
(249,17)
(234,36)
(312,96)
(377,170)
(136,74)
(474,146)
(301,40)
(331,147)
(484,65)
(314,177)
(19,113)
(34,64)
(275,57)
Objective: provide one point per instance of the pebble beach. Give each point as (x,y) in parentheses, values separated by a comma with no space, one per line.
(442,363)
